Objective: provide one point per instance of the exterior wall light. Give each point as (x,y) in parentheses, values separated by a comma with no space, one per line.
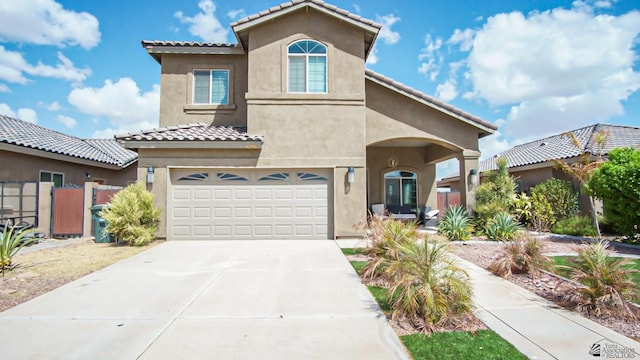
(150,174)
(351,174)
(473,176)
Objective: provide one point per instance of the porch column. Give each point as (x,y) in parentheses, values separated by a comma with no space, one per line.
(468,160)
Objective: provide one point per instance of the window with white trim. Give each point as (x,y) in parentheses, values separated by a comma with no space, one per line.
(307,67)
(49,176)
(211,87)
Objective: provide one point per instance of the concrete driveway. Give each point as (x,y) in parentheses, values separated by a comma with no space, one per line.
(208,300)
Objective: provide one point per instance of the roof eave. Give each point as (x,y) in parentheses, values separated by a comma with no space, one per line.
(242,29)
(156,51)
(484,130)
(193,144)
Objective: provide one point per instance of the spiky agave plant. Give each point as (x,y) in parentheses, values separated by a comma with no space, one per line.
(426,284)
(383,247)
(456,224)
(502,227)
(12,239)
(606,281)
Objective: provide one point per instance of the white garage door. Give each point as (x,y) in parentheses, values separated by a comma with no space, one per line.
(249,204)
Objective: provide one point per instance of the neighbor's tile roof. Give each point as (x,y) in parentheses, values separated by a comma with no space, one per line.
(561,146)
(146,43)
(278,8)
(191,132)
(444,107)
(28,135)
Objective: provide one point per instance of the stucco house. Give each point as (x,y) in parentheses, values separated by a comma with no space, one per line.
(531,163)
(287,135)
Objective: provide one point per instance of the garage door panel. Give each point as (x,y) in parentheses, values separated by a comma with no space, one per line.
(202,212)
(264,205)
(182,212)
(222,212)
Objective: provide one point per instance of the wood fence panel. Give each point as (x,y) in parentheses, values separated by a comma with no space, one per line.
(68,212)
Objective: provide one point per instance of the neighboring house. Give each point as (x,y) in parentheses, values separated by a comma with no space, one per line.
(29,152)
(531,163)
(286,135)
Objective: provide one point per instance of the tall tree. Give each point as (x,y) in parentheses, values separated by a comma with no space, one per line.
(582,169)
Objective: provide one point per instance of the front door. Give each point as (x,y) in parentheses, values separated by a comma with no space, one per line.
(401,189)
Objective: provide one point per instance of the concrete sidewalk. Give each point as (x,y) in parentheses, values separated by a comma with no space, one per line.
(537,327)
(204,300)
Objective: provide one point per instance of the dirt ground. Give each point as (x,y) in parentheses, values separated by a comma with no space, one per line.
(41,271)
(550,287)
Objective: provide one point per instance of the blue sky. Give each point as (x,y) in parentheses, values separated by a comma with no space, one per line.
(534,68)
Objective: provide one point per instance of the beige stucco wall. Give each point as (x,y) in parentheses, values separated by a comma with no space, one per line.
(176,93)
(20,167)
(391,115)
(312,130)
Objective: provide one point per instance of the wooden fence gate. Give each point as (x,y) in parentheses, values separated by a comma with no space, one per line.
(67,212)
(103,196)
(446,199)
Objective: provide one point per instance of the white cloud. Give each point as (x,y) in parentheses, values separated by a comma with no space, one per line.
(4,88)
(125,106)
(388,36)
(205,24)
(45,22)
(13,67)
(24,114)
(373,56)
(446,91)
(54,106)
(237,14)
(430,57)
(557,70)
(67,121)
(462,37)
(357,8)
(493,144)
(447,168)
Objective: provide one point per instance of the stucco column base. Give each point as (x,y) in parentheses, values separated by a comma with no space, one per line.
(468,160)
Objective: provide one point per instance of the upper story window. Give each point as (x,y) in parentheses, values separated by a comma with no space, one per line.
(307,67)
(211,87)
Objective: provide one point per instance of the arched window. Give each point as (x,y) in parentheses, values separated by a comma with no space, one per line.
(401,189)
(307,67)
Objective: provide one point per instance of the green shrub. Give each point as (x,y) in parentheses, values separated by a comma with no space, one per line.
(502,227)
(11,241)
(495,195)
(560,195)
(427,286)
(617,183)
(523,208)
(131,216)
(576,225)
(522,256)
(456,224)
(542,217)
(607,283)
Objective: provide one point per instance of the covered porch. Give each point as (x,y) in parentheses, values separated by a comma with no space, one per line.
(401,174)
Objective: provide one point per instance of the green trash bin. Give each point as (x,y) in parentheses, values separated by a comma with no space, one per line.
(100,225)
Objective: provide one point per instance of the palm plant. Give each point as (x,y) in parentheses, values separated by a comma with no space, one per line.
(456,224)
(383,246)
(501,227)
(522,256)
(582,169)
(606,282)
(12,239)
(426,284)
